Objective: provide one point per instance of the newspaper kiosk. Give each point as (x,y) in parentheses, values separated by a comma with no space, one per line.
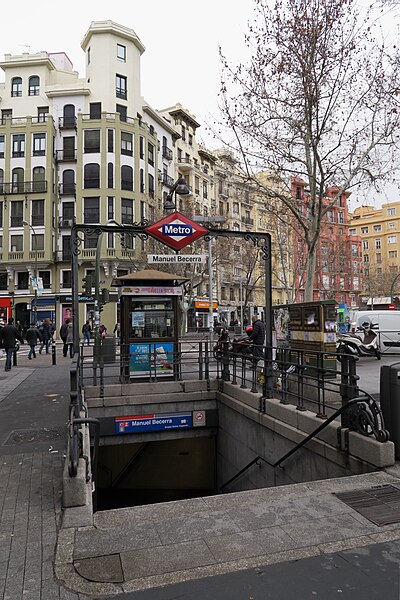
(150,320)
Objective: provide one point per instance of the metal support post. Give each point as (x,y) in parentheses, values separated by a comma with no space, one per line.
(53,352)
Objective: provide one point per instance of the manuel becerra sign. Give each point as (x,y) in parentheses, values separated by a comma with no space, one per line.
(176,231)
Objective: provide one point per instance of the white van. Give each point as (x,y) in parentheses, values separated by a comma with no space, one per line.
(388,330)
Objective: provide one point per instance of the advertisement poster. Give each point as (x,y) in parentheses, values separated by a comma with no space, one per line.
(150,359)
(137,319)
(66,313)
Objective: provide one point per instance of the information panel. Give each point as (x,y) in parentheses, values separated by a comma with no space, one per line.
(153,422)
(148,358)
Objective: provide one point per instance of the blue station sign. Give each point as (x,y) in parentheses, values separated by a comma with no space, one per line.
(153,422)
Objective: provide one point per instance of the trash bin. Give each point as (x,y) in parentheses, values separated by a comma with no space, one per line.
(390,402)
(109,349)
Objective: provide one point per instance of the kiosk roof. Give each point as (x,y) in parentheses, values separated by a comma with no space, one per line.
(151,275)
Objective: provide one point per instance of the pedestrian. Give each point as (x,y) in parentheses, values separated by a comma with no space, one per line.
(9,334)
(32,336)
(86,330)
(69,341)
(257,337)
(102,330)
(20,328)
(63,336)
(46,330)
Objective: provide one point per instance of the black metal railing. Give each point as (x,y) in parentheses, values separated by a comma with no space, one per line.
(23,187)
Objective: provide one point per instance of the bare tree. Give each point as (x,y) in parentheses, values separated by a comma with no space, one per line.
(319,100)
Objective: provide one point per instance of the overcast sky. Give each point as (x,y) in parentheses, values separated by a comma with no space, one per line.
(181,62)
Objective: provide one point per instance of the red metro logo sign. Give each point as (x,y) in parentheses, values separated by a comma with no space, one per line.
(176,231)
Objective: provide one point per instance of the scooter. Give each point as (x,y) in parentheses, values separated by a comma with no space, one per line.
(350,343)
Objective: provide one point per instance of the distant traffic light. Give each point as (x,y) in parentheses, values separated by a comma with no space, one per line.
(87,284)
(105,296)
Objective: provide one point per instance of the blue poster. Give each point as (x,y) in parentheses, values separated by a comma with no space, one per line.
(153,422)
(147,359)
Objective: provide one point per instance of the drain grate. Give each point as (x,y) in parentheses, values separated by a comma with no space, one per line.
(29,436)
(380,504)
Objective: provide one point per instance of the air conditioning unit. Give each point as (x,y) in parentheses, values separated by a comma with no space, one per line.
(67,222)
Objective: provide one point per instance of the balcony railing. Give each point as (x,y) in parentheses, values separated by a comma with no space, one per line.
(17,255)
(247,221)
(23,187)
(65,155)
(39,255)
(165,179)
(67,123)
(167,152)
(65,222)
(62,256)
(108,116)
(67,189)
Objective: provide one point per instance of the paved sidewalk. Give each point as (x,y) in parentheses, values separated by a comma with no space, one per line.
(272,543)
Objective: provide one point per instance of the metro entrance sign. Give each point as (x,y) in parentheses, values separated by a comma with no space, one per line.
(176,231)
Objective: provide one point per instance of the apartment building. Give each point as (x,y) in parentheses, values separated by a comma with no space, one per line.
(379,230)
(75,149)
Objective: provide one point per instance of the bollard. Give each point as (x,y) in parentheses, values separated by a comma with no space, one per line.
(53,352)
(15,362)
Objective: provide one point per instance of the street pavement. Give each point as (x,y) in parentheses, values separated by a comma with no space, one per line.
(282,543)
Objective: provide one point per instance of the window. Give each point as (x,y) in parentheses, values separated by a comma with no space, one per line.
(365,244)
(392,253)
(392,225)
(69,119)
(17,243)
(378,257)
(17,212)
(110,175)
(68,211)
(205,189)
(377,228)
(2,144)
(42,113)
(366,258)
(121,52)
(391,212)
(126,178)
(17,180)
(110,240)
(6,115)
(68,181)
(151,186)
(1,181)
(39,144)
(66,279)
(377,243)
(364,230)
(37,212)
(95,110)
(183,133)
(392,239)
(18,145)
(39,183)
(126,211)
(190,139)
(23,280)
(121,87)
(121,110)
(231,294)
(196,185)
(37,242)
(16,87)
(3,280)
(34,82)
(46,279)
(66,247)
(110,140)
(141,179)
(141,147)
(110,208)
(88,56)
(91,177)
(91,141)
(340,217)
(150,148)
(91,211)
(126,143)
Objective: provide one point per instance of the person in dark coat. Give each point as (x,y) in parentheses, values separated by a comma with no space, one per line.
(32,336)
(63,336)
(257,336)
(8,336)
(47,331)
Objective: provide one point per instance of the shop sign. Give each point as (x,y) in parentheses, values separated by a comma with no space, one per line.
(151,291)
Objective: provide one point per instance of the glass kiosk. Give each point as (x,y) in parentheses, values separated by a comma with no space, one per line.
(150,325)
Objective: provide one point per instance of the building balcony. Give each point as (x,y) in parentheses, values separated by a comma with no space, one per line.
(23,187)
(65,155)
(167,153)
(62,256)
(16,256)
(247,221)
(67,123)
(67,189)
(65,223)
(185,164)
(39,255)
(165,179)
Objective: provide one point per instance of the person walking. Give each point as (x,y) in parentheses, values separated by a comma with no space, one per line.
(9,334)
(257,338)
(63,336)
(32,336)
(70,339)
(86,330)
(47,331)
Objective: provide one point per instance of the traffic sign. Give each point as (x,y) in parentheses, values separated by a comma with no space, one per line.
(176,231)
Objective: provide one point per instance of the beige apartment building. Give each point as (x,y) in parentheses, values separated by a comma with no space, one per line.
(379,229)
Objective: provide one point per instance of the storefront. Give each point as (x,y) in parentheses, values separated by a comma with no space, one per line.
(5,309)
(200,315)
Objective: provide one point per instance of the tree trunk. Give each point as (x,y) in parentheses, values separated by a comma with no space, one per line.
(311,261)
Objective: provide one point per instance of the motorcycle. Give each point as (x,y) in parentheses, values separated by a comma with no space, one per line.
(239,345)
(351,343)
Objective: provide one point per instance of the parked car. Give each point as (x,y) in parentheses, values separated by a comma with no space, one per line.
(388,327)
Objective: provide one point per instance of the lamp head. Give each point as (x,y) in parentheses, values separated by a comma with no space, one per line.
(182,187)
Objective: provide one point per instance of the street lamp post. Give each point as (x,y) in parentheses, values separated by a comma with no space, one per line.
(34,321)
(180,187)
